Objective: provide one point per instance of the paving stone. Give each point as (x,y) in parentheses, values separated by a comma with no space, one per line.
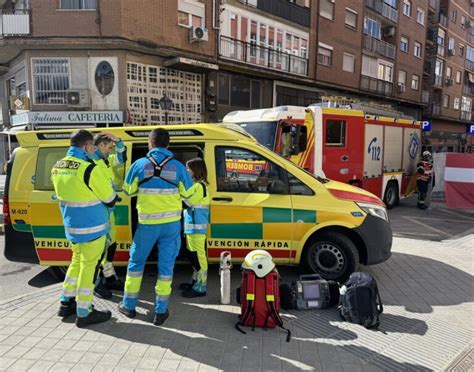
(5,363)
(22,365)
(61,366)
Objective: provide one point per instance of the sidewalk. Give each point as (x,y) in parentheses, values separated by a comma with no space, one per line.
(426,287)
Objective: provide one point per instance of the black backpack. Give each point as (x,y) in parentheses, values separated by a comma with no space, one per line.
(360,301)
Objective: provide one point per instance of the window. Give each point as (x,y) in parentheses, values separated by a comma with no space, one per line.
(466,104)
(439,67)
(449,72)
(402,77)
(51,80)
(242,170)
(458,77)
(369,66)
(297,187)
(348,62)
(470,54)
(461,50)
(463,22)
(224,89)
(446,101)
(454,15)
(451,45)
(255,93)
(404,44)
(240,91)
(417,49)
(407,8)
(372,27)
(324,55)
(336,133)
(420,16)
(456,103)
(78,4)
(47,157)
(191,13)
(326,9)
(351,18)
(385,71)
(415,82)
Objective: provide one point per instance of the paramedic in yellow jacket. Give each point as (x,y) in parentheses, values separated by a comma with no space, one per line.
(196,220)
(159,181)
(105,143)
(85,195)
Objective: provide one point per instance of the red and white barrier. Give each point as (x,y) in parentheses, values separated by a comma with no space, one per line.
(459,181)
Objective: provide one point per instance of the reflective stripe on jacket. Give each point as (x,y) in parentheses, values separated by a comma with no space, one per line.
(424,170)
(83,193)
(159,198)
(196,216)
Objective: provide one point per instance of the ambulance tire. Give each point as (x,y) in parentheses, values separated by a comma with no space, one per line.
(391,197)
(334,249)
(59,272)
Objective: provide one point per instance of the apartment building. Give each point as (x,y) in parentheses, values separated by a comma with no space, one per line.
(210,57)
(448,84)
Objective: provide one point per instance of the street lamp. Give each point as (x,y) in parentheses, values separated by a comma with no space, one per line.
(165,104)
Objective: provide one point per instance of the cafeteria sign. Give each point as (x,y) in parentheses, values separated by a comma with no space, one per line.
(68,117)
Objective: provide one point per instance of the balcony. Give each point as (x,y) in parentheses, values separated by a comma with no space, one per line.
(374,85)
(443,20)
(465,115)
(284,9)
(434,109)
(425,96)
(469,65)
(380,7)
(468,89)
(14,23)
(438,81)
(434,4)
(379,46)
(257,55)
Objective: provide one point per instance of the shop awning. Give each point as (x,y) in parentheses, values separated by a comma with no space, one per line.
(188,64)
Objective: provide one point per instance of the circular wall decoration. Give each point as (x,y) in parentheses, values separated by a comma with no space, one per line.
(104,78)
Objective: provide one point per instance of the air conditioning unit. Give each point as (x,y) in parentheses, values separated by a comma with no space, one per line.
(450,52)
(78,98)
(198,34)
(449,81)
(401,87)
(389,31)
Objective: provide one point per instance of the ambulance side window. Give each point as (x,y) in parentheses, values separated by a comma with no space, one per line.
(336,133)
(47,157)
(297,187)
(240,170)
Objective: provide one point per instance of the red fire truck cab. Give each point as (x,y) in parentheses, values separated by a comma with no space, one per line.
(369,147)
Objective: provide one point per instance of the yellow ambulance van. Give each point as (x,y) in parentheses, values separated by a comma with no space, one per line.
(259,200)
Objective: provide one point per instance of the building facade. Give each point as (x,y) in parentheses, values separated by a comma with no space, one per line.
(213,56)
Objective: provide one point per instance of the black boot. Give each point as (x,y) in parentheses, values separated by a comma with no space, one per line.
(114,284)
(67,308)
(159,319)
(101,291)
(127,312)
(94,317)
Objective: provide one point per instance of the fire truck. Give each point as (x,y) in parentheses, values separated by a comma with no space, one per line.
(366,145)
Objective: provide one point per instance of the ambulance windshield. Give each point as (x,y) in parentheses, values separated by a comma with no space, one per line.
(263,131)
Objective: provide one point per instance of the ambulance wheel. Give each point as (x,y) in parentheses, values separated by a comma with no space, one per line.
(332,255)
(59,271)
(391,195)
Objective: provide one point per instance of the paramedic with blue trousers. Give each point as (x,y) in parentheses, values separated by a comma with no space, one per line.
(159,181)
(85,195)
(113,163)
(196,220)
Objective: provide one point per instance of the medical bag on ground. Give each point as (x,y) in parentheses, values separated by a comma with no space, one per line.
(260,301)
(360,300)
(309,292)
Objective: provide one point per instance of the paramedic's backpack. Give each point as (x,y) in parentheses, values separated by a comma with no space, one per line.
(260,301)
(360,301)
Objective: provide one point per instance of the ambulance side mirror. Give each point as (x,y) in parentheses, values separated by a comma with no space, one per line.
(299,136)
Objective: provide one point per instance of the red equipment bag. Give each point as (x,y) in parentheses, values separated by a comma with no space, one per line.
(260,302)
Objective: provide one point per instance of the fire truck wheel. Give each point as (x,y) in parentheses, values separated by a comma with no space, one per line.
(59,271)
(332,255)
(391,195)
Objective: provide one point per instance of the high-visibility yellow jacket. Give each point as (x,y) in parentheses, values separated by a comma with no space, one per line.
(158,198)
(84,193)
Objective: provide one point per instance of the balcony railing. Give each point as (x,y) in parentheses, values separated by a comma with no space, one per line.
(468,89)
(380,7)
(265,57)
(435,109)
(14,22)
(425,96)
(466,115)
(434,4)
(469,65)
(379,46)
(378,86)
(289,11)
(438,81)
